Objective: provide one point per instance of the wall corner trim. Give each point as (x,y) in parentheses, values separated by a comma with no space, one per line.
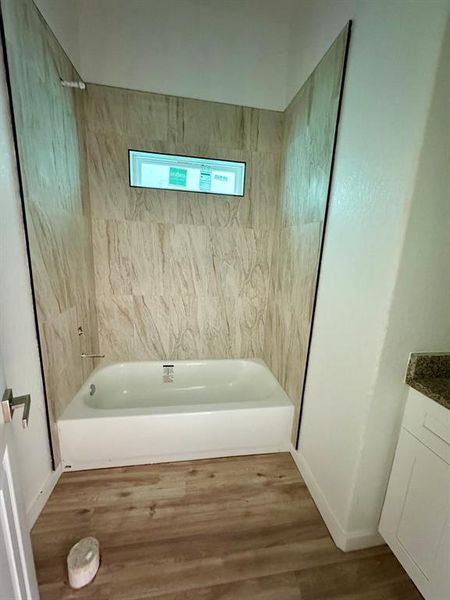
(36,506)
(345,540)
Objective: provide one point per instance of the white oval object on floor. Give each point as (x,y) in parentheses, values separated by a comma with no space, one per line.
(83,562)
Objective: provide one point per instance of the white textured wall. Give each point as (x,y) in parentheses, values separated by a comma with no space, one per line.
(359,350)
(419,316)
(18,339)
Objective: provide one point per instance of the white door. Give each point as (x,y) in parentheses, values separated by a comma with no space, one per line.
(17,574)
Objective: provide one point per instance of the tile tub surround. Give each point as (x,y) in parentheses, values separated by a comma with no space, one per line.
(307,150)
(429,373)
(180,275)
(48,120)
(151,274)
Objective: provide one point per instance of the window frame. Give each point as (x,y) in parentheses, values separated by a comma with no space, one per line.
(145,187)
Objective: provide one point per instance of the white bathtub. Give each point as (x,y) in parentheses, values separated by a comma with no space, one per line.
(143,412)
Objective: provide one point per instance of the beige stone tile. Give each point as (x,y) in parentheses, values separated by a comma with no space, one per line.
(113,258)
(267,130)
(212,123)
(247,317)
(129,257)
(276,337)
(48,264)
(180,327)
(116,320)
(240,261)
(217,326)
(308,138)
(105,109)
(62,361)
(297,178)
(153,206)
(88,340)
(112,175)
(108,175)
(258,209)
(295,262)
(187,262)
(185,328)
(208,209)
(152,327)
(152,117)
(60,253)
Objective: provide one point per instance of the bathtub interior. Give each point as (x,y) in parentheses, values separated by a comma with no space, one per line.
(135,385)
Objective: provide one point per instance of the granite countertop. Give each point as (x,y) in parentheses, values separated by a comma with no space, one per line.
(429,373)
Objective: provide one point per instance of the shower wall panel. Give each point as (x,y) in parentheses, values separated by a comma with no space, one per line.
(180,275)
(48,120)
(306,159)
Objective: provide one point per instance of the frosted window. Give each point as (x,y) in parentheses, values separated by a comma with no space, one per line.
(186,173)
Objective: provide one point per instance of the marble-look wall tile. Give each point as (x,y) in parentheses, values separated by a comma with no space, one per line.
(209,209)
(267,130)
(153,206)
(156,123)
(183,275)
(186,269)
(259,209)
(240,262)
(116,325)
(307,149)
(49,261)
(49,120)
(62,365)
(212,123)
(247,332)
(62,359)
(154,259)
(86,312)
(180,327)
(105,109)
(108,174)
(152,117)
(277,328)
(128,257)
(152,327)
(295,263)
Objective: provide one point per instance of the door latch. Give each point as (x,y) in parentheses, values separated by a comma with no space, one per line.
(10,404)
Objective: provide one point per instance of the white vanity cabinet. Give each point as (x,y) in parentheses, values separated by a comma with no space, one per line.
(415,521)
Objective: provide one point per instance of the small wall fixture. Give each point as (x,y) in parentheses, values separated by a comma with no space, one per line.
(80,85)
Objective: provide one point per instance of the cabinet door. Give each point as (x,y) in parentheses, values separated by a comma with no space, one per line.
(415,512)
(440,579)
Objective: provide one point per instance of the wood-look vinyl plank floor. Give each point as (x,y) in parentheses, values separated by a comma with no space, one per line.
(242,528)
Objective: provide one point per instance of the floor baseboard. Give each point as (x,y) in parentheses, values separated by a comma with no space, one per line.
(36,506)
(345,540)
